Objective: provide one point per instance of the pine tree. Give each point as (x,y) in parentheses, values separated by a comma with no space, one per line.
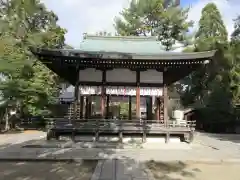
(153,18)
(211,29)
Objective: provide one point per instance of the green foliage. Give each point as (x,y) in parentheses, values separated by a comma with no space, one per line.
(152,18)
(123,109)
(211,28)
(216,87)
(234,59)
(26,23)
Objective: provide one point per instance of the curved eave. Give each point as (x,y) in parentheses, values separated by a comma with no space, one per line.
(78,54)
(176,65)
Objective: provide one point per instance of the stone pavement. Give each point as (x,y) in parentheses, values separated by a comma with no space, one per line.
(121,170)
(13,139)
(206,147)
(139,155)
(117,164)
(223,142)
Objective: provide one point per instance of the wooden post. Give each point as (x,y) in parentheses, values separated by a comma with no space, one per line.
(165,104)
(138,113)
(103,94)
(149,107)
(87,108)
(130,107)
(81,106)
(76,101)
(157,109)
(107,103)
(84,106)
(103,103)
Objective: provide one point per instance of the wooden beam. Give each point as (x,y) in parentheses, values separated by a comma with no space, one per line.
(126,84)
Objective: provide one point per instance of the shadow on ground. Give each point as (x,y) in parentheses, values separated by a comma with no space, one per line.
(47,170)
(56,149)
(171,170)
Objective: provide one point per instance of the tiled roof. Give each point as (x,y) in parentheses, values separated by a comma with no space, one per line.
(122,44)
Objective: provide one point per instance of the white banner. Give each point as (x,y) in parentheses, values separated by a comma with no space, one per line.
(90,90)
(125,91)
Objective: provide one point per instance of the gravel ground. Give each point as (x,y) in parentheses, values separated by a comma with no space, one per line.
(47,171)
(194,171)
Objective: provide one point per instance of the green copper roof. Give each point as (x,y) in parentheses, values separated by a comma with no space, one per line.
(121,44)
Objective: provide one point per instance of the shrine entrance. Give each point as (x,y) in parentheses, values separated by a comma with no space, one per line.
(120,102)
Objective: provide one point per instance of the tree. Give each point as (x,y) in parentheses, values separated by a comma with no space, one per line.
(167,22)
(211,35)
(215,86)
(153,18)
(235,62)
(28,83)
(211,28)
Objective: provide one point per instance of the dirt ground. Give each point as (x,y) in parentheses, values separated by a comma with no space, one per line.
(194,171)
(47,171)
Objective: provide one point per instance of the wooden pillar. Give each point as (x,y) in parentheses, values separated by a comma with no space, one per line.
(149,107)
(165,104)
(103,94)
(103,103)
(107,103)
(81,106)
(87,108)
(138,113)
(158,109)
(76,97)
(130,107)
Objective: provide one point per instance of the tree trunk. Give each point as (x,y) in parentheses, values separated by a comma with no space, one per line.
(6,120)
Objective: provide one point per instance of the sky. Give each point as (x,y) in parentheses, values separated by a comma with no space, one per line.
(91,16)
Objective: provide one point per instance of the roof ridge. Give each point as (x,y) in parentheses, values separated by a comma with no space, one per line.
(127,38)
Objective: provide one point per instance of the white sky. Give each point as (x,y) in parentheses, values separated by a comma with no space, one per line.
(91,16)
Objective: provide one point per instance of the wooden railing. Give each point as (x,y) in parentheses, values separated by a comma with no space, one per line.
(115,124)
(116,127)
